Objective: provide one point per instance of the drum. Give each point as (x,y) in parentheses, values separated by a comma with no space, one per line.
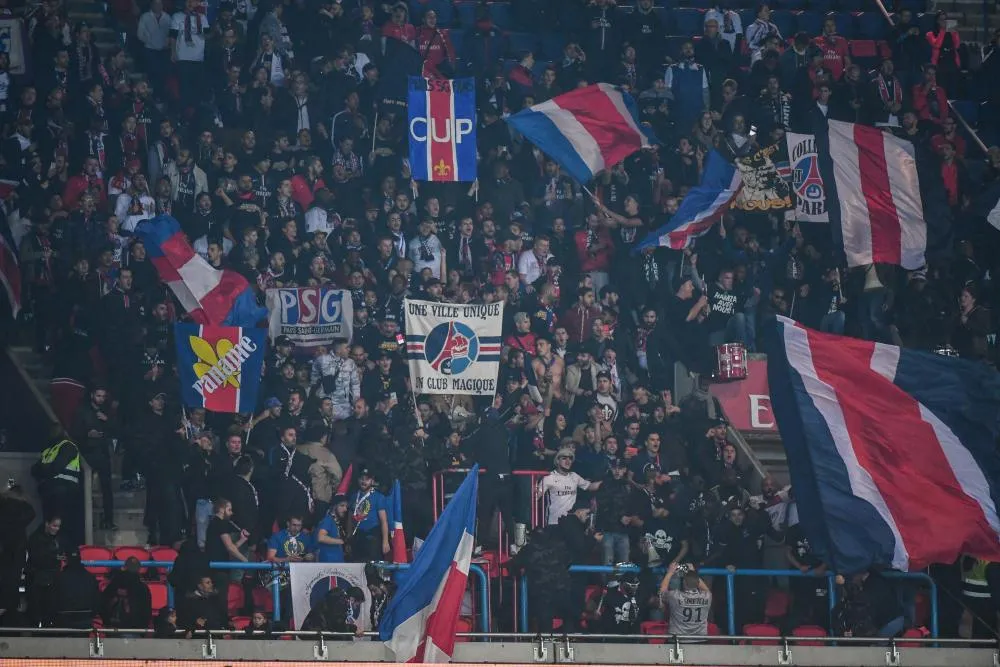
(731,362)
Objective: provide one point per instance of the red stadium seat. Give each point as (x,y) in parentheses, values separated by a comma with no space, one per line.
(236,598)
(761,630)
(124,553)
(464,625)
(922,611)
(913,633)
(168,554)
(88,552)
(262,600)
(884,50)
(863,48)
(658,630)
(241,622)
(158,595)
(713,630)
(777,604)
(809,631)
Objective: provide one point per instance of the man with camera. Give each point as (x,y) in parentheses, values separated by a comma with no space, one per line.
(688,604)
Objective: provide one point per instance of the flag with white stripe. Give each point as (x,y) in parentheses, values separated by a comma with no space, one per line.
(881,213)
(586,130)
(892,451)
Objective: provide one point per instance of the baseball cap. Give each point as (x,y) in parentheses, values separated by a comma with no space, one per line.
(272,402)
(283,340)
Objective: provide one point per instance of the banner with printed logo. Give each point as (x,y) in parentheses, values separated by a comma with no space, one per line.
(763,188)
(219,367)
(310,316)
(311,582)
(453,349)
(12,43)
(807,183)
(442,122)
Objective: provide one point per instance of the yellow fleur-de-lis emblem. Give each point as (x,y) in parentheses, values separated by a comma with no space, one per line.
(210,357)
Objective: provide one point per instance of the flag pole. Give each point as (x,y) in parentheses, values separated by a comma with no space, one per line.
(968,128)
(374,127)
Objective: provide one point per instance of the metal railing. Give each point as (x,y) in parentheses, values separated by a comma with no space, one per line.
(730,577)
(480,574)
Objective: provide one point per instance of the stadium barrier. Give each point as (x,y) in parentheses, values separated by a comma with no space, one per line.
(731,587)
(60,647)
(478,572)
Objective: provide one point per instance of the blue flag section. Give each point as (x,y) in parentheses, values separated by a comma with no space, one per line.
(219,367)
(442,129)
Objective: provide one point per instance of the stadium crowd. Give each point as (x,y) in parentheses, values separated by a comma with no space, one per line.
(262,130)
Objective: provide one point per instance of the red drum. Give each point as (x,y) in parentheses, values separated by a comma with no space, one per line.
(730,362)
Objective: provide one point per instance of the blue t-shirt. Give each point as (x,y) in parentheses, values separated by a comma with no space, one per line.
(285,545)
(364,507)
(329,553)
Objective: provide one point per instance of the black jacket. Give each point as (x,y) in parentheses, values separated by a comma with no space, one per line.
(78,595)
(195,606)
(126,602)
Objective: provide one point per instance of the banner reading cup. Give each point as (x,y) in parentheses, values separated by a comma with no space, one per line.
(310,316)
(453,349)
(219,367)
(807,182)
(312,581)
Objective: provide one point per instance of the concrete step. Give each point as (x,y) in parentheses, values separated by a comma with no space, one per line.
(36,366)
(122,499)
(120,538)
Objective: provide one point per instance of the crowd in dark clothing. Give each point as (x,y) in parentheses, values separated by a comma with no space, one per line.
(263,131)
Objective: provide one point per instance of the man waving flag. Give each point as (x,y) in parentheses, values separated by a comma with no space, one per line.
(420,622)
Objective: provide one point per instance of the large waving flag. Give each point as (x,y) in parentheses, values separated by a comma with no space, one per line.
(396,524)
(10,267)
(892,451)
(701,208)
(586,130)
(210,295)
(420,622)
(881,213)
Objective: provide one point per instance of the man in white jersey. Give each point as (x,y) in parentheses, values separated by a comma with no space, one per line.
(561,486)
(689,604)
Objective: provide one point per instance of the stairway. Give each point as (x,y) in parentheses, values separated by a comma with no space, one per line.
(95,13)
(36,370)
(969,20)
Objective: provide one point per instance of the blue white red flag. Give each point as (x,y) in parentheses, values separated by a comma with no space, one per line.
(586,130)
(892,452)
(420,622)
(396,524)
(219,367)
(210,295)
(701,208)
(442,122)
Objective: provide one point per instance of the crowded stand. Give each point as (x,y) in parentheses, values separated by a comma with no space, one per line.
(272,135)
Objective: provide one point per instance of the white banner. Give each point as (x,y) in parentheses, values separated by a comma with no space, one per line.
(11,43)
(310,316)
(453,349)
(311,582)
(807,183)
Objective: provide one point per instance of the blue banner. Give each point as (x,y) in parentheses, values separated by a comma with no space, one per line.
(442,128)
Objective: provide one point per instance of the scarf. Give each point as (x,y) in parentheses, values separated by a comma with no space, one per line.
(650,270)
(889,91)
(188,33)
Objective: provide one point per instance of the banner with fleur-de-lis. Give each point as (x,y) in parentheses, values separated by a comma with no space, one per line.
(219,367)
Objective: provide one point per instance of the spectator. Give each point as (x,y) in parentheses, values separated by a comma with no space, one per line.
(126,601)
(689,603)
(200,609)
(77,594)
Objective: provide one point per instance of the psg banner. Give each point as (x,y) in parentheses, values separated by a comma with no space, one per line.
(311,582)
(807,183)
(453,349)
(442,130)
(763,188)
(219,367)
(310,316)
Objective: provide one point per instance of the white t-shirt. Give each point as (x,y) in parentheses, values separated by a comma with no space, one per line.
(528,265)
(562,488)
(195,50)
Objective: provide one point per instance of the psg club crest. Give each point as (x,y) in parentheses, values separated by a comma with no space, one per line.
(451,348)
(807,182)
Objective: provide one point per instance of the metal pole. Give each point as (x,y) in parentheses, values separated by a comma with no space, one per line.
(968,128)
(731,601)
(484,597)
(276,597)
(523,604)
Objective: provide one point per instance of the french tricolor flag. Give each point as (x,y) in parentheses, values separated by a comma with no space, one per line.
(701,208)
(210,295)
(396,524)
(420,622)
(892,452)
(586,130)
